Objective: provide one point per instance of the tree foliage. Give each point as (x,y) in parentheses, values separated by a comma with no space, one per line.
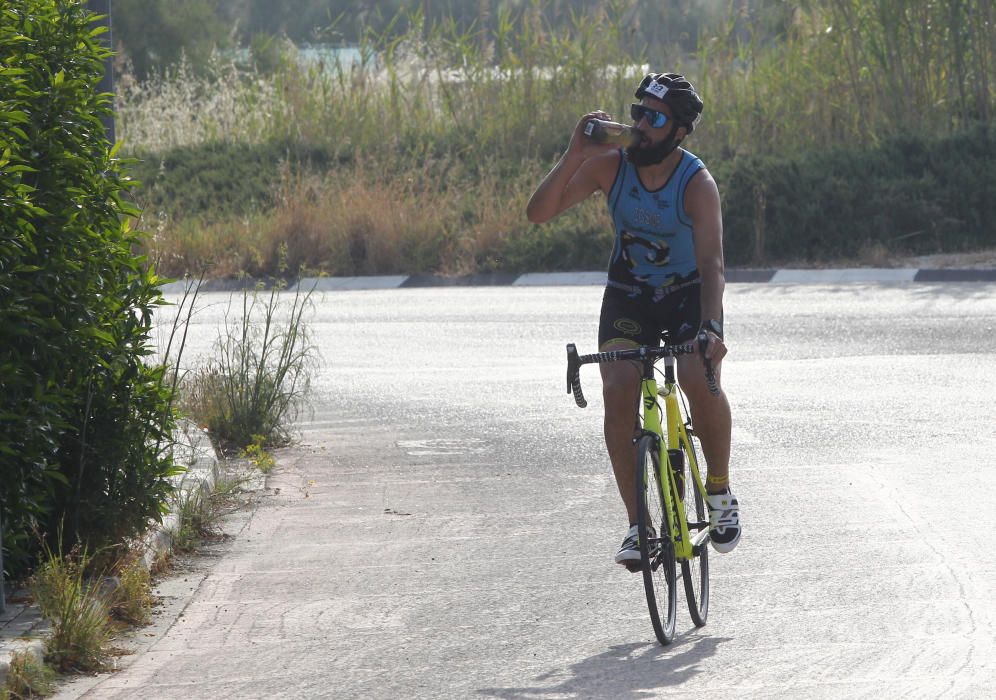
(154,33)
(83,416)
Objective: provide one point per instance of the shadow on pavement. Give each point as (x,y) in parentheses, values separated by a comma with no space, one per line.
(623,671)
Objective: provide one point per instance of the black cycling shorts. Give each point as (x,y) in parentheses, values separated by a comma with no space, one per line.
(641,320)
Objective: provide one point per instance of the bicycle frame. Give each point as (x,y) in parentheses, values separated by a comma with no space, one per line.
(664,430)
(672,434)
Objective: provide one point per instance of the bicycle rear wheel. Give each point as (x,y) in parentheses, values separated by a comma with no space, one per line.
(695,571)
(656,545)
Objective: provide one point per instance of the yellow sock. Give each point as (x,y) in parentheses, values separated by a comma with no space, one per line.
(717,481)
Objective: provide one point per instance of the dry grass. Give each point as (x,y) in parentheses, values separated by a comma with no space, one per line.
(367,220)
(183,108)
(370,222)
(132,601)
(438,142)
(222,248)
(27,678)
(78,611)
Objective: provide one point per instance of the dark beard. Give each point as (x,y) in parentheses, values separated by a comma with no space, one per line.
(652,155)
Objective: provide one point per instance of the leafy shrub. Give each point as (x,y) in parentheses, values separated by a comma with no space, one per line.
(915,194)
(84,419)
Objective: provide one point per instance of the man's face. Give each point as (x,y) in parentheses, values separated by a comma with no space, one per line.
(657,142)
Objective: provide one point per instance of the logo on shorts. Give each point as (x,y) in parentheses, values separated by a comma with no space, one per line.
(627,326)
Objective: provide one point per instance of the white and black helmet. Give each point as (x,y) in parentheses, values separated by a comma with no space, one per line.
(677,93)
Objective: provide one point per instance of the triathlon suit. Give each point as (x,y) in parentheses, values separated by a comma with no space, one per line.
(654,281)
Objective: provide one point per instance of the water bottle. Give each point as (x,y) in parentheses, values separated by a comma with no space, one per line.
(677,460)
(601,131)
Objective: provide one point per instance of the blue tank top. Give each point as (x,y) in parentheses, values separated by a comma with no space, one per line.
(654,251)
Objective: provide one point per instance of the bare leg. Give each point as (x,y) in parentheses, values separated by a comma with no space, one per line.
(621,394)
(711,418)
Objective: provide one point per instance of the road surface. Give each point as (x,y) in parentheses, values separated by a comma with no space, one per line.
(446,526)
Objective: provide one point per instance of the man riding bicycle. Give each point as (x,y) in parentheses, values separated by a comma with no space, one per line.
(666,273)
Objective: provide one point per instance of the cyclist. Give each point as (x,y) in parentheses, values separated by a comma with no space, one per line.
(666,272)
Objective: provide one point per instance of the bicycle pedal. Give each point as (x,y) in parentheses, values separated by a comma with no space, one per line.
(633,568)
(700,538)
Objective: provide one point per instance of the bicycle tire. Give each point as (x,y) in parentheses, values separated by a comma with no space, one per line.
(695,572)
(656,552)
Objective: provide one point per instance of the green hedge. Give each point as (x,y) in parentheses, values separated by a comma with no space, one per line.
(219,180)
(83,417)
(914,195)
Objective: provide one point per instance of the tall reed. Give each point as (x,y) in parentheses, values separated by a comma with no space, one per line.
(430,145)
(435,89)
(849,72)
(844,70)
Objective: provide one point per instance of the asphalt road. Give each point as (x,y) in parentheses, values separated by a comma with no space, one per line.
(445,527)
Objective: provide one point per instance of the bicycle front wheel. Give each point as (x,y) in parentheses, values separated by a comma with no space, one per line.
(656,544)
(695,571)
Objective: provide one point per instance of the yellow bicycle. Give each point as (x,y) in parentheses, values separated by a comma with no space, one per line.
(673,520)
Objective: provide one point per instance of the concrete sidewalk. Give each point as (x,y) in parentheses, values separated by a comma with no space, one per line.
(22,627)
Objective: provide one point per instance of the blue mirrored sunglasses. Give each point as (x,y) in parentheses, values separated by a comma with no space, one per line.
(654,118)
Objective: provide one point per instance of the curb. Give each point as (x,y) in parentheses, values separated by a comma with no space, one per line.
(23,628)
(858,275)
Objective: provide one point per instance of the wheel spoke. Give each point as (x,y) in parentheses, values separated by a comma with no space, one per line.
(657,550)
(695,570)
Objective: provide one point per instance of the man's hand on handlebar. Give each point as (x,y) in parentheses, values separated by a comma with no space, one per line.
(714,349)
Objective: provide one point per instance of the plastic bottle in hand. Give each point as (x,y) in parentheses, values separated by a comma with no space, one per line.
(601,131)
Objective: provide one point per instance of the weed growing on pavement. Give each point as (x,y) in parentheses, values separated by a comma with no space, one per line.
(260,458)
(258,379)
(199,512)
(77,610)
(230,488)
(133,597)
(196,521)
(27,677)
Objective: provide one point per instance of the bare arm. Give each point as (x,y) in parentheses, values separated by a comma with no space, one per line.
(578,173)
(703,206)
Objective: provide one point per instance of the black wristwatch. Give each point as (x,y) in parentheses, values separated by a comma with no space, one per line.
(713,326)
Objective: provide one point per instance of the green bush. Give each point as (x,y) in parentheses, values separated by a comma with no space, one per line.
(910,195)
(568,243)
(84,419)
(219,180)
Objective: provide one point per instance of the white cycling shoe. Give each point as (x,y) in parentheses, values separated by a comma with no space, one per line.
(724,521)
